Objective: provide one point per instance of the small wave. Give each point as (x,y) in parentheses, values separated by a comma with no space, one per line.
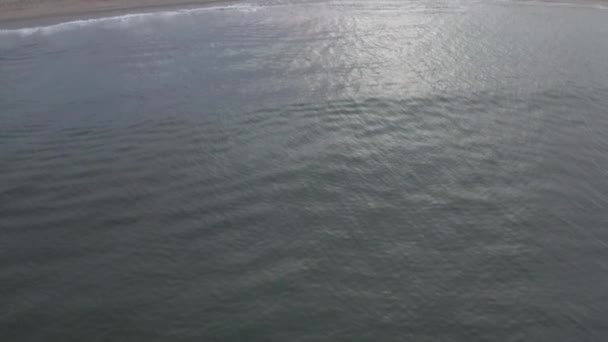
(124,19)
(584,5)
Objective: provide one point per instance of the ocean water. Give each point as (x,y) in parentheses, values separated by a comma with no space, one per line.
(307,171)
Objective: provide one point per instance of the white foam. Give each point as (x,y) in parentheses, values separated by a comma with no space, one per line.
(122,20)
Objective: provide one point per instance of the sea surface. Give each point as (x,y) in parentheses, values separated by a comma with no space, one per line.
(307,171)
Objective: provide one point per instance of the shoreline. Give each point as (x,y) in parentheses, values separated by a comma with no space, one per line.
(70,9)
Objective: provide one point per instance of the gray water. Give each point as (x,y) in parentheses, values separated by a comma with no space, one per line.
(307,171)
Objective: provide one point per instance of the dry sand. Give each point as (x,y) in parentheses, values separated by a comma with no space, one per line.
(11,10)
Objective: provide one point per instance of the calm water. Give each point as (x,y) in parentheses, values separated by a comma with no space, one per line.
(320,171)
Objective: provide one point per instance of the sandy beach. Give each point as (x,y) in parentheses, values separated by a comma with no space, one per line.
(15,10)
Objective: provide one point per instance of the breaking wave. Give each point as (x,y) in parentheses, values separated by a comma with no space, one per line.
(124,19)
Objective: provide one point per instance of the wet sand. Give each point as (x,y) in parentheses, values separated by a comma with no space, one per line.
(15,10)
